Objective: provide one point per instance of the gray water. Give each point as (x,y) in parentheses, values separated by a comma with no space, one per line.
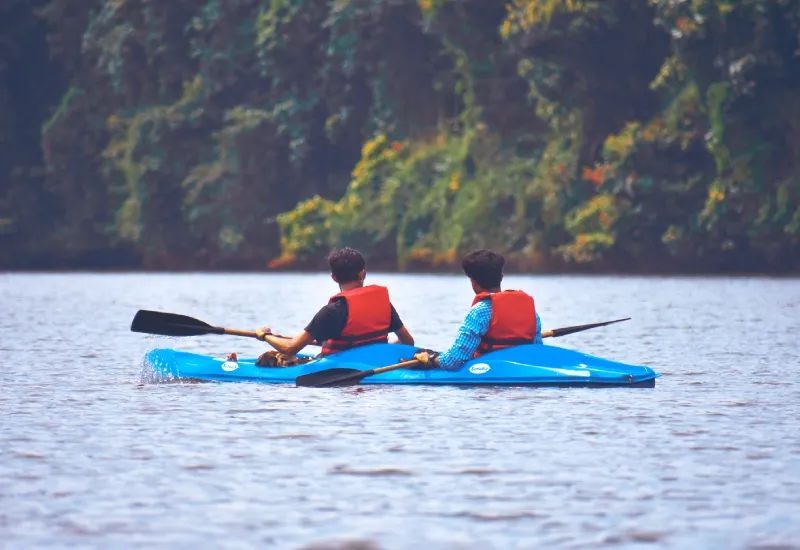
(93,455)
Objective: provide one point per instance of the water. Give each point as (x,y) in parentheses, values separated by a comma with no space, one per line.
(93,456)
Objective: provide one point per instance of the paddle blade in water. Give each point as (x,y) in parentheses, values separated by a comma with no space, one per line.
(170,324)
(331,378)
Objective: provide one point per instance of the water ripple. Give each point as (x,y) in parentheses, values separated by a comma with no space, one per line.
(95,451)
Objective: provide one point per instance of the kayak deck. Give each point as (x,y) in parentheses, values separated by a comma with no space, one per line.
(529,365)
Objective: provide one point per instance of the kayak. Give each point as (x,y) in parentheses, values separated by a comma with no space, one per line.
(527,365)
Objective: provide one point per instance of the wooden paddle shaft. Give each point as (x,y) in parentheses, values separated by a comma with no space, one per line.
(250,334)
(245,333)
(395,367)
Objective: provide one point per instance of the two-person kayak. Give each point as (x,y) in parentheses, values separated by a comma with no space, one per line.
(528,365)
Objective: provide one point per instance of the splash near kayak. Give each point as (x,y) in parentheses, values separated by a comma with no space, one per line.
(528,365)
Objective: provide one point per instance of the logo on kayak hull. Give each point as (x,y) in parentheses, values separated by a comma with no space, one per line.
(572,372)
(229,366)
(480,368)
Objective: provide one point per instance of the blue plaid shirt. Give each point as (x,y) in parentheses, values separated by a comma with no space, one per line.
(476,324)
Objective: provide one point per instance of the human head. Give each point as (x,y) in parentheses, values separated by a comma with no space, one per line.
(347,266)
(484,268)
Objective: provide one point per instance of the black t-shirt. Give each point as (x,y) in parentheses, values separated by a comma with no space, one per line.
(329,322)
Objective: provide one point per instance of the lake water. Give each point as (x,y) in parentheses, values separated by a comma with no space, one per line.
(92,455)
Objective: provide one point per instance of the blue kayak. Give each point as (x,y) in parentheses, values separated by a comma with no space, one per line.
(529,365)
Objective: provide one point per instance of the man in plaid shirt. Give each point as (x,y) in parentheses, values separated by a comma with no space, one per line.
(496,320)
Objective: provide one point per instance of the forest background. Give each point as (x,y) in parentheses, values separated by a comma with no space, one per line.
(618,135)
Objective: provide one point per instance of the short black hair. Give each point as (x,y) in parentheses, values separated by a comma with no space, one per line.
(485,267)
(346,264)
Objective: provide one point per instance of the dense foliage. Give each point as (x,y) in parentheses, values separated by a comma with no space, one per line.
(630,135)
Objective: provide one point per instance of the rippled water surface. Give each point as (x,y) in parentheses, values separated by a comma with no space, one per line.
(92,455)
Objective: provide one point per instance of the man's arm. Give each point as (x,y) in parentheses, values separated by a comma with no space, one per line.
(537,339)
(287,346)
(475,325)
(404,337)
(396,325)
(329,320)
(281,343)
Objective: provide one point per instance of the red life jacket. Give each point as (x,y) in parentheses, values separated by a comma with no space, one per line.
(513,320)
(369,315)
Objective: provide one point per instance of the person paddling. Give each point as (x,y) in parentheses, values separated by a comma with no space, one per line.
(356,316)
(497,319)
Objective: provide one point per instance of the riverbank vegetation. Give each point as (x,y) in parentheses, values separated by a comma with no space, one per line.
(653,135)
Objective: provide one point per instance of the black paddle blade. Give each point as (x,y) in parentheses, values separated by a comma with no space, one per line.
(571,330)
(331,378)
(170,324)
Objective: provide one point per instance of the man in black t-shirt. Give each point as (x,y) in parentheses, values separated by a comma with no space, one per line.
(357,315)
(329,322)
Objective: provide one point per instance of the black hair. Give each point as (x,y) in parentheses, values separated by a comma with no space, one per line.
(485,267)
(346,264)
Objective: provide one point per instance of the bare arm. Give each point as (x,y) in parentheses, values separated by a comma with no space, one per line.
(404,337)
(289,346)
(283,344)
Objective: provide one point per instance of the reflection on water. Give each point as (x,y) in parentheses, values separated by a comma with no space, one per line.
(94,455)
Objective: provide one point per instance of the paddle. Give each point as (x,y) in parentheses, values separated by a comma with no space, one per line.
(349,377)
(172,324)
(345,377)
